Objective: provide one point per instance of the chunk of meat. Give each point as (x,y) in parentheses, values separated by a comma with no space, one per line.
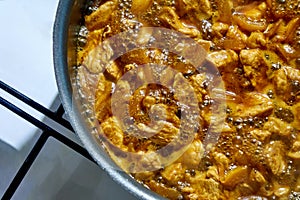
(275,157)
(256,40)
(279,127)
(225,10)
(111,128)
(281,191)
(148,102)
(186,6)
(220,28)
(242,189)
(225,60)
(101,16)
(250,17)
(206,44)
(261,135)
(120,100)
(113,72)
(254,104)
(145,176)
(138,56)
(279,35)
(286,32)
(213,173)
(198,82)
(203,188)
(167,133)
(295,150)
(203,11)
(249,24)
(200,8)
(140,6)
(164,190)
(193,155)
(253,10)
(292,73)
(162,132)
(143,161)
(91,42)
(173,173)
(257,177)
(222,163)
(184,92)
(209,189)
(272,28)
(164,112)
(280,80)
(286,82)
(97,58)
(235,176)
(251,57)
(254,67)
(235,39)
(291,29)
(287,51)
(169,17)
(136,110)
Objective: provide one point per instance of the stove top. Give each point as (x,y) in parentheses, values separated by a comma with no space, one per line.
(41,157)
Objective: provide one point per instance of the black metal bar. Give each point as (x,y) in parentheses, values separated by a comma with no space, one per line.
(23,114)
(48,132)
(46,128)
(35,105)
(25,166)
(59,112)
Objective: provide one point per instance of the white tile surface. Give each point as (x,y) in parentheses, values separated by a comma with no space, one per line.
(26,60)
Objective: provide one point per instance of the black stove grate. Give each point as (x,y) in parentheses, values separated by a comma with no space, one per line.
(47,132)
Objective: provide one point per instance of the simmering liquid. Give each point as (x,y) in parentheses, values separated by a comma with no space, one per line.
(255,47)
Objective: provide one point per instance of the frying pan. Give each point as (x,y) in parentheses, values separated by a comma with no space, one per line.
(66,27)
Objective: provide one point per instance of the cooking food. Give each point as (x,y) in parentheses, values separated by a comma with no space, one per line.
(255,46)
